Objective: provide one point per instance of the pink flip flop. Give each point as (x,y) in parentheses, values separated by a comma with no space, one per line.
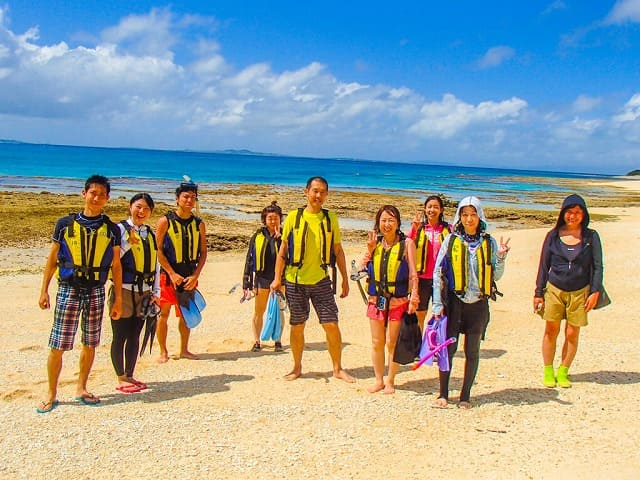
(128,388)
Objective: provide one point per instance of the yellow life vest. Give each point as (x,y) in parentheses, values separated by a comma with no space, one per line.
(139,263)
(459,257)
(183,247)
(298,238)
(388,271)
(422,247)
(84,253)
(260,244)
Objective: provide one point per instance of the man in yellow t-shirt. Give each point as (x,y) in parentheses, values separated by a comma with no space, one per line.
(310,239)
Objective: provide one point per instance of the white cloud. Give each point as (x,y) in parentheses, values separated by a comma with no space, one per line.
(495,56)
(130,89)
(144,34)
(553,6)
(631,110)
(624,11)
(345,89)
(576,129)
(585,103)
(446,118)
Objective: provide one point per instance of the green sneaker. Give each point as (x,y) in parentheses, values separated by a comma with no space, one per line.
(549,379)
(563,377)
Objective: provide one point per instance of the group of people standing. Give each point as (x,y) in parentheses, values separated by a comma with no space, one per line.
(147,272)
(456,265)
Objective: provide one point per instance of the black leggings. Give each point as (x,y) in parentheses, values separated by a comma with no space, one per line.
(470,319)
(471,362)
(126,342)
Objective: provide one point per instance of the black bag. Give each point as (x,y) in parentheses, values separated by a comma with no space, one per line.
(603,299)
(409,340)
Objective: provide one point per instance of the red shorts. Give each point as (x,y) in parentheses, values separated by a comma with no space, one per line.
(395,313)
(168,293)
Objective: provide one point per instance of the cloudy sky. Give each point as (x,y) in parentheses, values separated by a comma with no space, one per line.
(547,85)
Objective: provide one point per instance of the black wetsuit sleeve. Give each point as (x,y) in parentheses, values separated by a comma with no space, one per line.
(247,277)
(543,267)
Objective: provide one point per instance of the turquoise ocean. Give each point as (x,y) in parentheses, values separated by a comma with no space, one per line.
(61,169)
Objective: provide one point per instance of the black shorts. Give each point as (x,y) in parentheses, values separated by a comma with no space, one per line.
(467,317)
(425,290)
(262,282)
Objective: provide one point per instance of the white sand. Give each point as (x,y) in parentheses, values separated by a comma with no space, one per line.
(230,414)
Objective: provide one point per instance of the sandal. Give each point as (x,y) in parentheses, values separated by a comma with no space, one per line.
(278,347)
(256,347)
(46,407)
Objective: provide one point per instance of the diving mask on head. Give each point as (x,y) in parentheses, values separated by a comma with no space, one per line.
(189,185)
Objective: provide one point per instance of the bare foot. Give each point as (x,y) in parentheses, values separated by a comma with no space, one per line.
(465,405)
(189,356)
(163,358)
(342,375)
(389,389)
(376,387)
(292,375)
(441,403)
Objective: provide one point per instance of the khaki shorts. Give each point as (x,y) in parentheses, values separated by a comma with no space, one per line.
(131,304)
(559,305)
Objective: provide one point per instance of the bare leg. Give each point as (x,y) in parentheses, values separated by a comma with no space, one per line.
(377,354)
(54,367)
(86,362)
(161,333)
(392,339)
(334,343)
(570,347)
(549,342)
(297,346)
(185,333)
(258,313)
(421,314)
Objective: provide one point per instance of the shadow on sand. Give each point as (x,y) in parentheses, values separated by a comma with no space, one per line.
(606,377)
(266,350)
(163,391)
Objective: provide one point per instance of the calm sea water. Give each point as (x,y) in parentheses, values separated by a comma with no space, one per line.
(54,168)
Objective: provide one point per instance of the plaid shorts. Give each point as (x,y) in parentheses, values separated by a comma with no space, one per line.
(321,296)
(72,303)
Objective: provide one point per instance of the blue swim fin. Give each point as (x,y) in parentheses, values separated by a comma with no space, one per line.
(191,314)
(271,320)
(199,300)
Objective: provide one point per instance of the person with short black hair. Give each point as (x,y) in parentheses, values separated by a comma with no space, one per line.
(311,245)
(85,247)
(182,253)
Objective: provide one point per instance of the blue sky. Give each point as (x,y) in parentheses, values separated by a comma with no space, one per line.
(549,85)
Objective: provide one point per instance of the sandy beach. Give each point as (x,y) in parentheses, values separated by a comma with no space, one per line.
(231,415)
